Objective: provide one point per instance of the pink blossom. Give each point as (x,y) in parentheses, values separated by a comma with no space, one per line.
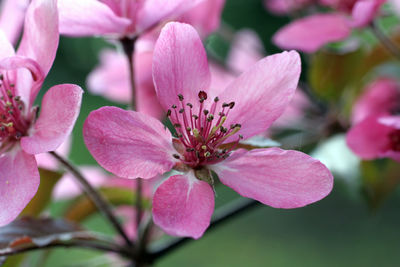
(12,18)
(310,33)
(281,7)
(209,123)
(376,129)
(117,18)
(21,134)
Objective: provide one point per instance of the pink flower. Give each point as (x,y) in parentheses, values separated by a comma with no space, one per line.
(12,18)
(21,135)
(207,122)
(311,33)
(281,7)
(117,18)
(376,130)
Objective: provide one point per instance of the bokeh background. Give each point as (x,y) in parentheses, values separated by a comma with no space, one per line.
(340,230)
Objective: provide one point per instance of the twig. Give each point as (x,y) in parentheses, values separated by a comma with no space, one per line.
(222,215)
(97,199)
(385,41)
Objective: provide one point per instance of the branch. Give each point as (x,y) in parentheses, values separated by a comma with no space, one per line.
(103,206)
(222,215)
(385,41)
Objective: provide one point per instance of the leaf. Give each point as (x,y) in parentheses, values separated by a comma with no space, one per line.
(379,179)
(82,207)
(332,73)
(29,232)
(48,180)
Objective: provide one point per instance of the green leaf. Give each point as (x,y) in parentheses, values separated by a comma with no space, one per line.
(82,207)
(332,73)
(48,180)
(379,179)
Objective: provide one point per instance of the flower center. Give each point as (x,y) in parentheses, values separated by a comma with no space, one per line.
(394,138)
(13,124)
(201,133)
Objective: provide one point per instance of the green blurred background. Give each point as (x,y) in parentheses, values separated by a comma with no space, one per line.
(337,231)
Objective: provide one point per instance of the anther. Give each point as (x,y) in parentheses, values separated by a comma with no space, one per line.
(176,156)
(204,147)
(231,105)
(168,112)
(195,117)
(202,95)
(189,105)
(210,117)
(177,125)
(188,129)
(180,97)
(216,99)
(181,110)
(205,112)
(173,106)
(207,154)
(224,105)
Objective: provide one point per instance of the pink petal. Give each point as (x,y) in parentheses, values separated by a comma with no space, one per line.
(40,39)
(391,121)
(311,33)
(179,65)
(282,7)
(75,20)
(262,93)
(47,161)
(380,97)
(19,181)
(275,177)
(6,48)
(369,138)
(154,11)
(205,17)
(183,205)
(69,187)
(127,143)
(364,11)
(59,111)
(12,18)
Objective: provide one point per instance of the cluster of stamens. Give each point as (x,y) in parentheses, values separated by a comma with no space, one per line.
(202,133)
(12,123)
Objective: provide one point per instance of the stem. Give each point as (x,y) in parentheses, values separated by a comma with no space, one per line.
(385,41)
(222,215)
(98,200)
(80,243)
(128,45)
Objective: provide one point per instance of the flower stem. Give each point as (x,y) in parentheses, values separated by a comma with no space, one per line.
(222,215)
(98,200)
(128,45)
(385,41)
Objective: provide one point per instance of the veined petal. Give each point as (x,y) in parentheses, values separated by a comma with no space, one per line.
(278,178)
(75,20)
(183,205)
(59,111)
(311,33)
(40,39)
(19,179)
(127,143)
(179,65)
(6,48)
(262,93)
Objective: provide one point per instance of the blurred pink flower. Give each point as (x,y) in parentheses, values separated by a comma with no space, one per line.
(281,7)
(376,129)
(310,33)
(21,135)
(207,121)
(12,18)
(117,18)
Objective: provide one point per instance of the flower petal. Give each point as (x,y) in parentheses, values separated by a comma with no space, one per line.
(19,181)
(369,138)
(179,65)
(311,33)
(12,18)
(6,48)
(278,178)
(127,143)
(60,109)
(40,39)
(154,11)
(364,11)
(47,161)
(262,93)
(183,205)
(75,20)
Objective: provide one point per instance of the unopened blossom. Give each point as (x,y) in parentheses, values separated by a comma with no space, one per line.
(376,129)
(117,18)
(209,123)
(22,134)
(310,33)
